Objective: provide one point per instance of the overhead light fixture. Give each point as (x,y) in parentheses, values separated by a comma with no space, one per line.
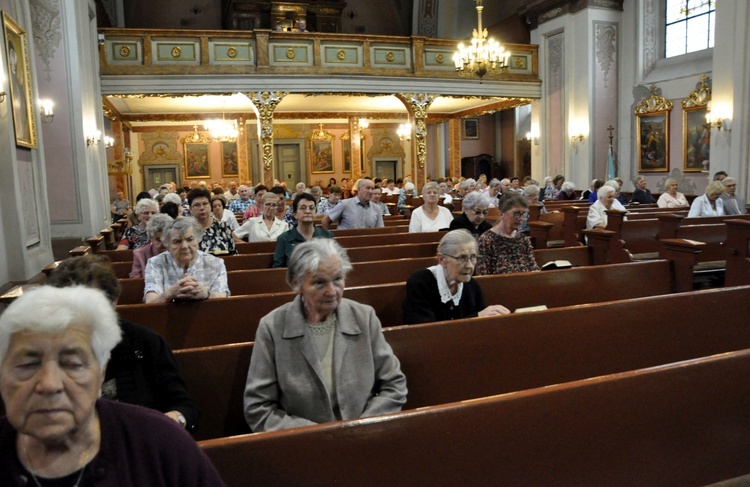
(404,131)
(222,130)
(483,55)
(46,110)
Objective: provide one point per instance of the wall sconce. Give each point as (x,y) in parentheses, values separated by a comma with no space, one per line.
(532,137)
(715,118)
(46,110)
(94,138)
(109,141)
(404,131)
(576,139)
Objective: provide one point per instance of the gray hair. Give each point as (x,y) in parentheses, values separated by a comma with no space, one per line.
(300,185)
(430,185)
(605,191)
(145,203)
(172,198)
(269,196)
(182,225)
(669,181)
(454,239)
(494,183)
(308,256)
(316,191)
(408,187)
(727,180)
(638,179)
(531,190)
(568,186)
(613,184)
(158,223)
(49,309)
(474,199)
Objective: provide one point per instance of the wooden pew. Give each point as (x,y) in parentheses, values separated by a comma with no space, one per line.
(507,353)
(738,249)
(235,319)
(677,424)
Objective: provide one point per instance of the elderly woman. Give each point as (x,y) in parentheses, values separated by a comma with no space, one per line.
(597,217)
(447,291)
(567,191)
(184,272)
(136,236)
(430,216)
(155,230)
(54,348)
(710,203)
(493,190)
(407,191)
(474,212)
(671,198)
(503,249)
(264,228)
(531,194)
(217,237)
(222,214)
(304,211)
(321,357)
(142,369)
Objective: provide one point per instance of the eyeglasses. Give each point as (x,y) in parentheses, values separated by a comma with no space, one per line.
(270,205)
(481,212)
(463,259)
(200,205)
(306,208)
(518,215)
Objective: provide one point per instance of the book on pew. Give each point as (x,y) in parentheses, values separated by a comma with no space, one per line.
(528,309)
(557,264)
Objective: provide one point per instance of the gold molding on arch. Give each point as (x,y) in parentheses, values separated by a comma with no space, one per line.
(698,98)
(653,103)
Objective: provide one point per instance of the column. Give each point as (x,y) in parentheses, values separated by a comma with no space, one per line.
(454,144)
(417,104)
(264,103)
(355,148)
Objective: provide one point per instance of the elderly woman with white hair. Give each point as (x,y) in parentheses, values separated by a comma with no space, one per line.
(136,236)
(321,357)
(409,190)
(597,216)
(54,348)
(447,291)
(474,209)
(430,216)
(710,203)
(567,191)
(155,229)
(184,272)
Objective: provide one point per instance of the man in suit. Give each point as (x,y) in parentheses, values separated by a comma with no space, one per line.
(733,204)
(641,194)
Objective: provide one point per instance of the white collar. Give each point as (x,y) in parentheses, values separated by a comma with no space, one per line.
(443,289)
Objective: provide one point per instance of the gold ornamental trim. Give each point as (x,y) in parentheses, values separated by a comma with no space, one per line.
(440,58)
(124,51)
(341,55)
(232,52)
(390,57)
(290,54)
(176,52)
(698,98)
(653,103)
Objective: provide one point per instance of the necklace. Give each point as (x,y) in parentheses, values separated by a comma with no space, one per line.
(78,481)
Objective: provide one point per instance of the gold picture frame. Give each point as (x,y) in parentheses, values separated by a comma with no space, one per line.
(230,166)
(696,131)
(320,151)
(19,79)
(652,133)
(470,128)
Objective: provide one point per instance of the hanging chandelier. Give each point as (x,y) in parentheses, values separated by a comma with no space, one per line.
(222,130)
(483,55)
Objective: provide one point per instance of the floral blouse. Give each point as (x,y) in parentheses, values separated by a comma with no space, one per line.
(503,255)
(134,237)
(218,239)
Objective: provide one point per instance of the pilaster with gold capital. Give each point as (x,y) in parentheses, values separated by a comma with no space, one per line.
(356,148)
(417,104)
(264,103)
(454,144)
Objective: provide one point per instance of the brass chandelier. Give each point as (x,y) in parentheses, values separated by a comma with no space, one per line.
(483,55)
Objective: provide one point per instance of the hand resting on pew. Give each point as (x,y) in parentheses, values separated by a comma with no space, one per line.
(447,290)
(184,272)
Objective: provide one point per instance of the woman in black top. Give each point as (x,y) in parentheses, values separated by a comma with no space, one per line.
(474,208)
(447,291)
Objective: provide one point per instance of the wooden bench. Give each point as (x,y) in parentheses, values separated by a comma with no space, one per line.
(469,359)
(738,250)
(677,424)
(235,319)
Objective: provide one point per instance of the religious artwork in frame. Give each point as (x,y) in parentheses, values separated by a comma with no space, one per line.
(470,128)
(19,79)
(320,151)
(229,162)
(197,164)
(696,131)
(652,133)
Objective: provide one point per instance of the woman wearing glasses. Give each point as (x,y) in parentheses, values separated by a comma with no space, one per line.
(503,249)
(447,291)
(266,227)
(474,208)
(304,211)
(217,236)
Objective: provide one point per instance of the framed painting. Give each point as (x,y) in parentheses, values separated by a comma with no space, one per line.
(19,79)
(230,167)
(196,161)
(653,141)
(696,139)
(346,150)
(470,128)
(321,156)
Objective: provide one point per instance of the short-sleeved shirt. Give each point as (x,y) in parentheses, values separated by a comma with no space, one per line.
(218,239)
(239,206)
(256,230)
(134,237)
(287,241)
(352,213)
(325,206)
(162,272)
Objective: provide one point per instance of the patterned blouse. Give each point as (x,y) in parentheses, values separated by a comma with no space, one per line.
(218,239)
(503,255)
(134,237)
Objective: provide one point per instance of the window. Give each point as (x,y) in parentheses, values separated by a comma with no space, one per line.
(690,26)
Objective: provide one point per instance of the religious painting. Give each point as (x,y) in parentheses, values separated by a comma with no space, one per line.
(346,150)
(229,162)
(696,140)
(321,156)
(470,128)
(653,142)
(19,79)
(196,161)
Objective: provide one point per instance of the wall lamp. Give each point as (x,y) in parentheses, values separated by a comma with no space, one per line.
(46,110)
(94,138)
(715,118)
(532,137)
(404,131)
(109,141)
(576,139)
